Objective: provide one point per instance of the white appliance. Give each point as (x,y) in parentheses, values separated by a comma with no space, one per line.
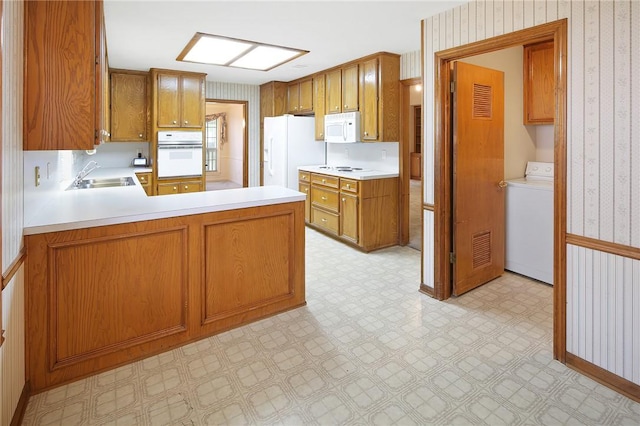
(180,153)
(342,128)
(289,142)
(529,223)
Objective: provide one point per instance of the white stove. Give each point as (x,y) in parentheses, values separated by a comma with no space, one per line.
(343,168)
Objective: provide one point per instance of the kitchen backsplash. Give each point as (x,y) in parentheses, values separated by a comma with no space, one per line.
(383,156)
(58,168)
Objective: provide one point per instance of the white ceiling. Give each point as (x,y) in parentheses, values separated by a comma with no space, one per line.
(147,34)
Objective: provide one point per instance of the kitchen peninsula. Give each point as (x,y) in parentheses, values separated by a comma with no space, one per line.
(114,276)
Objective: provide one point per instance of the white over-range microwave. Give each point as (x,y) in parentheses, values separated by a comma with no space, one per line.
(342,128)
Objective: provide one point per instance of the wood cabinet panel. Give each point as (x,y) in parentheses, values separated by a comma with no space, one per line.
(62,110)
(293,98)
(325,198)
(333,81)
(319,105)
(350,88)
(539,84)
(129,106)
(243,271)
(306,96)
(328,221)
(192,101)
(325,180)
(100,309)
(81,320)
(168,100)
(305,188)
(349,216)
(369,105)
(146,181)
(178,186)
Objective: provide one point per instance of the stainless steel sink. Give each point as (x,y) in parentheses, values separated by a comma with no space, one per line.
(102,183)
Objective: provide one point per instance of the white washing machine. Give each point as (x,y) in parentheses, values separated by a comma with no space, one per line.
(529,223)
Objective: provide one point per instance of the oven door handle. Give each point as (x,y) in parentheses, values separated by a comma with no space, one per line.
(179,146)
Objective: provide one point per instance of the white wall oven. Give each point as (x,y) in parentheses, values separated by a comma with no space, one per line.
(179,154)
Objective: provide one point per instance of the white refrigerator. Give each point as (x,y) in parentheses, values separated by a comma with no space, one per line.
(289,142)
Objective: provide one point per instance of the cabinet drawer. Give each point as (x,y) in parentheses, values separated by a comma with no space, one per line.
(324,198)
(304,176)
(324,180)
(324,219)
(349,185)
(190,187)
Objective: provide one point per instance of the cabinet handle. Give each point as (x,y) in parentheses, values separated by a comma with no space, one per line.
(324,181)
(324,220)
(346,106)
(175,122)
(348,186)
(175,188)
(366,134)
(295,108)
(344,200)
(186,187)
(324,198)
(306,190)
(140,135)
(337,108)
(186,122)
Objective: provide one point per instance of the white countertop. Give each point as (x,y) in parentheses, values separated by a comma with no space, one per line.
(365,174)
(86,208)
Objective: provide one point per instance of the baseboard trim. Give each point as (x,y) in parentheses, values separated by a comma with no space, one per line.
(604,377)
(426,290)
(21,408)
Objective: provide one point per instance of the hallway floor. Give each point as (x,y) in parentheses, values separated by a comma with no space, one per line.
(368,349)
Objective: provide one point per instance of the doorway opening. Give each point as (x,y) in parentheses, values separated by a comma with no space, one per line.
(226,150)
(443,226)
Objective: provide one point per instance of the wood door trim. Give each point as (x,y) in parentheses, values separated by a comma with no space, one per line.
(405,160)
(602,376)
(7,276)
(604,246)
(245,142)
(556,31)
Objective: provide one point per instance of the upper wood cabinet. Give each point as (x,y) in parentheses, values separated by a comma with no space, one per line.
(179,99)
(273,99)
(65,76)
(350,88)
(129,106)
(300,97)
(342,90)
(380,98)
(318,105)
(539,83)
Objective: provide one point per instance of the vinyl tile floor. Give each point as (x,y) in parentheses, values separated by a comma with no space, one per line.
(368,349)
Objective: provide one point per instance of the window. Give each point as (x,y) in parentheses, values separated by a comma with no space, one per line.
(211,161)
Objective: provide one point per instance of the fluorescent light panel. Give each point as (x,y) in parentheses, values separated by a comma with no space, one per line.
(231,52)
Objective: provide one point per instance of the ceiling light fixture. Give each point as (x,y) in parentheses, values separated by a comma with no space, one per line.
(232,52)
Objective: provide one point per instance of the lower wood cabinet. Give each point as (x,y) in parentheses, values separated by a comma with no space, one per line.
(179,186)
(97,298)
(362,212)
(146,180)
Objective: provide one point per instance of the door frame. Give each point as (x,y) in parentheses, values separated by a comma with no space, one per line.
(556,31)
(245,136)
(405,159)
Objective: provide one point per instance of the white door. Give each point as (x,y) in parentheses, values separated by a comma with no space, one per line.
(275,151)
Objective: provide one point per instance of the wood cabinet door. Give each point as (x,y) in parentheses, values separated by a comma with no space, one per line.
(350,88)
(305,189)
(318,105)
(369,106)
(305,96)
(192,103)
(167,188)
(129,107)
(333,91)
(60,88)
(293,98)
(349,216)
(168,100)
(190,187)
(539,78)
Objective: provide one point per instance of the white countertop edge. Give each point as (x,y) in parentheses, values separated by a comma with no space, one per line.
(357,175)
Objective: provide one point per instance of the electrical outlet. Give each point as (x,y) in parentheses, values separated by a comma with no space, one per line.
(384,154)
(37,175)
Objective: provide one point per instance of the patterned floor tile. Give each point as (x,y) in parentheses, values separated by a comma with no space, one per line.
(368,349)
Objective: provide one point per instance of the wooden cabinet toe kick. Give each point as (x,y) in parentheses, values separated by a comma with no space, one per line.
(105,296)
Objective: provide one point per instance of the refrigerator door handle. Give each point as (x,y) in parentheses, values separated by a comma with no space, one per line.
(344,130)
(268,157)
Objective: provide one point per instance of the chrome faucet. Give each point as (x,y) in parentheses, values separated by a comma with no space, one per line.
(88,168)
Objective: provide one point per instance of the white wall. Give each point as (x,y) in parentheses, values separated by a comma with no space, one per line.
(382,156)
(12,352)
(603,176)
